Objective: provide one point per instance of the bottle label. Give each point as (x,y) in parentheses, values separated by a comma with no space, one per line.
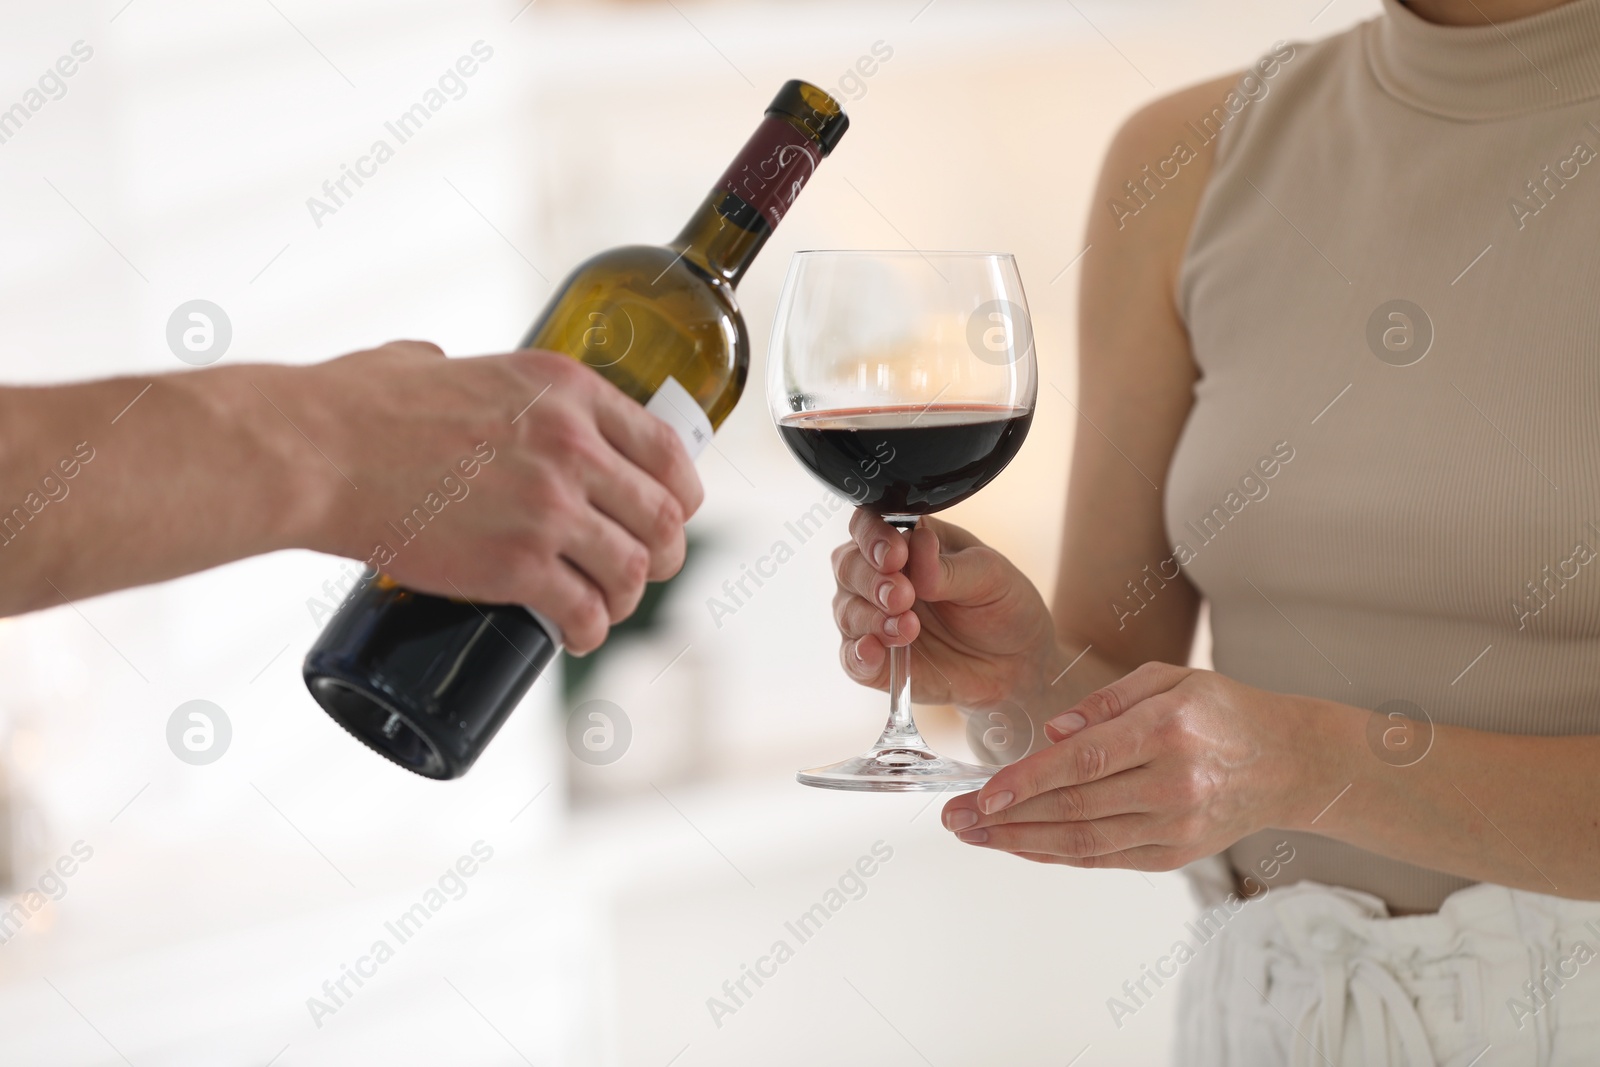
(673,405)
(774,166)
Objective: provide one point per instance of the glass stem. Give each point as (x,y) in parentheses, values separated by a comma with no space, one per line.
(901,730)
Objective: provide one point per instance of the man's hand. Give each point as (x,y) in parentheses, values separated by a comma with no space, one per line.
(582,498)
(521,478)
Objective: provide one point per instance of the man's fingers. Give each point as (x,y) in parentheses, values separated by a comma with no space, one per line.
(641,506)
(612,560)
(649,443)
(879,542)
(571,601)
(1091,754)
(427,348)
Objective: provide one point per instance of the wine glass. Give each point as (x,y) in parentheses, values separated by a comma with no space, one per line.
(904,381)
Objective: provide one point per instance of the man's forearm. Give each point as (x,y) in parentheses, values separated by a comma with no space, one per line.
(110,484)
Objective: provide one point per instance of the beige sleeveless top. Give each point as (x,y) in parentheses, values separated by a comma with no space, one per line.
(1391,289)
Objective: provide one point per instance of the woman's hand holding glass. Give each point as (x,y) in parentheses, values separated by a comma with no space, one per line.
(982,631)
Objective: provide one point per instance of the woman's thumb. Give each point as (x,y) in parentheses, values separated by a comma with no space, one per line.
(966,576)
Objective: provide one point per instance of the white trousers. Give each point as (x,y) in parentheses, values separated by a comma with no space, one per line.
(1318,976)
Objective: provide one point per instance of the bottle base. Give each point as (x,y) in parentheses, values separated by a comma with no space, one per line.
(382,728)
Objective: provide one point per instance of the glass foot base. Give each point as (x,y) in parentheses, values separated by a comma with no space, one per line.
(898,770)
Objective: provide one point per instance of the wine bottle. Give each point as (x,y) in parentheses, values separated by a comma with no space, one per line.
(427,680)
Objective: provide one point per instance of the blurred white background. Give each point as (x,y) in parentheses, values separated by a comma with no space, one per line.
(219,898)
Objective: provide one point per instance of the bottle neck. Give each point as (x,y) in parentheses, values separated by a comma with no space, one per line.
(751,198)
(722,237)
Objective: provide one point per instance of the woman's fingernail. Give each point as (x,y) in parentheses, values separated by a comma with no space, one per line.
(998,802)
(891,626)
(960,819)
(1070,723)
(883,593)
(880,552)
(974,837)
(855,650)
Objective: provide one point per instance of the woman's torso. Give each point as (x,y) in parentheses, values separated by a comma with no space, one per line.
(1430,532)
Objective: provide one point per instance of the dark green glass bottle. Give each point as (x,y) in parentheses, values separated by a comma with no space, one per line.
(427,680)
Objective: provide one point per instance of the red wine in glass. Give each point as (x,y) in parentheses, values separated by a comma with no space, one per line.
(907,460)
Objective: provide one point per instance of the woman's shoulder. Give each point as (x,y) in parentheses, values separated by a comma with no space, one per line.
(1176,138)
(1153,174)
(1162,159)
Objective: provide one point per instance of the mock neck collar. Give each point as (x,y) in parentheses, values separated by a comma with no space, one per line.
(1477,73)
